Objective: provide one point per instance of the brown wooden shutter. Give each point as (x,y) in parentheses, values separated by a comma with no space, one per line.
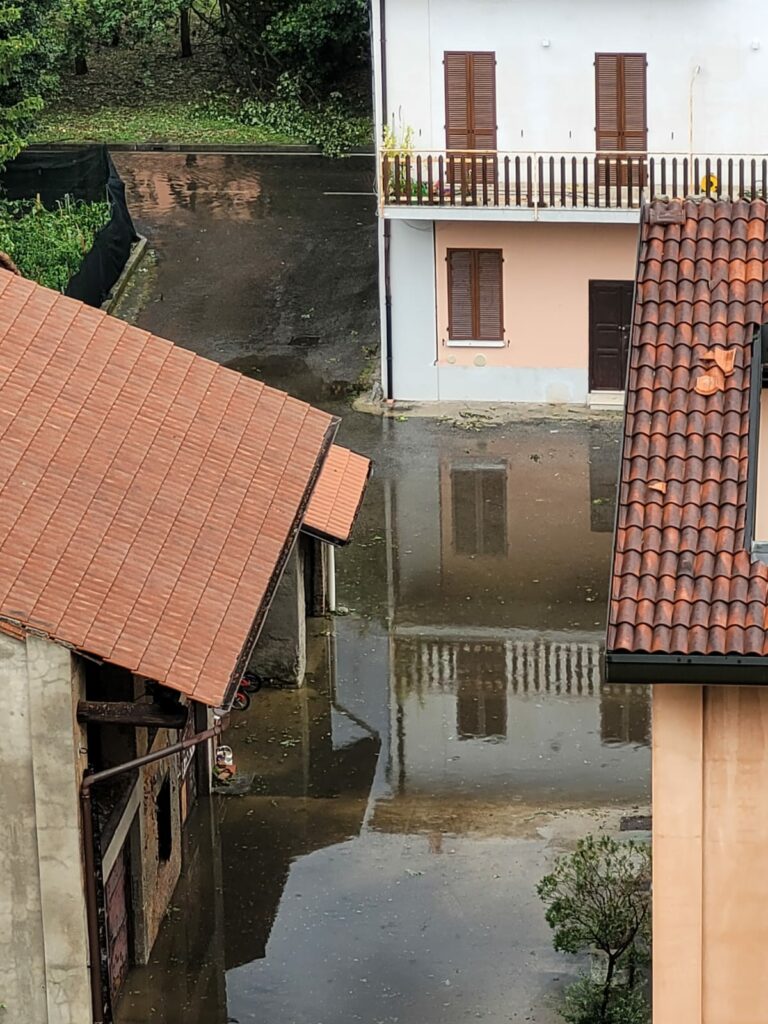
(490,318)
(635,126)
(607,115)
(470,100)
(482,69)
(621,121)
(475,295)
(460,295)
(457,113)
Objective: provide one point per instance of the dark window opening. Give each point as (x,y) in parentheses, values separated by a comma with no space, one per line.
(164,821)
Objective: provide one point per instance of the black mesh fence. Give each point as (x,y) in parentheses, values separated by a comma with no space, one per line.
(86,173)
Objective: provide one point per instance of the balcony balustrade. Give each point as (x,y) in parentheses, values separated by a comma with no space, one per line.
(564,181)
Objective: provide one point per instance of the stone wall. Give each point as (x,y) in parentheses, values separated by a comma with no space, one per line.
(154,877)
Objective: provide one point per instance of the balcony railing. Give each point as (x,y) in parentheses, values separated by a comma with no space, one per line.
(565,181)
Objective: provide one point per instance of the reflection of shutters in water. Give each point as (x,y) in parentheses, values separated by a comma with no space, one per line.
(625,714)
(481,705)
(479,507)
(118,901)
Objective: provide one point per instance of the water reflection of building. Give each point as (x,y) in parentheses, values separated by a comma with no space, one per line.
(495,627)
(625,714)
(313,761)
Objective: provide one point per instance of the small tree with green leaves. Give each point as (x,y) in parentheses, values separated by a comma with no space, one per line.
(29,47)
(598,900)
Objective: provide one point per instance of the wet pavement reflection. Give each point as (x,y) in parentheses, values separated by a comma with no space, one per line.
(453,736)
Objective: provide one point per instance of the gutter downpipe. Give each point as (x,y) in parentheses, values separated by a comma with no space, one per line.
(91,894)
(387,325)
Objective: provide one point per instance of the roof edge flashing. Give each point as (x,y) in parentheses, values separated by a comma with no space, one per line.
(687,669)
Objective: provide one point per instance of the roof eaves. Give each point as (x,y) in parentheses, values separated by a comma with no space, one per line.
(258,622)
(703,669)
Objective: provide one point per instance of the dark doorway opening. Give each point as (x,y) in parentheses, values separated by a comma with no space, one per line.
(610,319)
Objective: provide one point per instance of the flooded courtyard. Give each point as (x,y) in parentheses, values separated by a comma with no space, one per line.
(454,734)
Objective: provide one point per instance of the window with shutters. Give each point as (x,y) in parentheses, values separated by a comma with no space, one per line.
(475,296)
(470,100)
(620,102)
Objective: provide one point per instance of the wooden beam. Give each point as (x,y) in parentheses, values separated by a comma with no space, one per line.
(127,713)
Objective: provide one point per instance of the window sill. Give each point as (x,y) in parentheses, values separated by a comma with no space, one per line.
(475,344)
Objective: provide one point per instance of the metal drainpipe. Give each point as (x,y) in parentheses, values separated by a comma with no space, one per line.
(388,307)
(91,895)
(387,325)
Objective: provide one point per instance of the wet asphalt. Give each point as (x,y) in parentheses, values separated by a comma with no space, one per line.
(454,734)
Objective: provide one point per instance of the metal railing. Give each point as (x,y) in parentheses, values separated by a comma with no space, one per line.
(572,181)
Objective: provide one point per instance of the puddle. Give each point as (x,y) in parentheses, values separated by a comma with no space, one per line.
(454,734)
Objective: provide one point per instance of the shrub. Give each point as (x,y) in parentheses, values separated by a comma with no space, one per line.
(598,900)
(329,125)
(48,246)
(584,1004)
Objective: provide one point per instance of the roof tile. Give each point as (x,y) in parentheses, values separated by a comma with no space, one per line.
(138,482)
(699,590)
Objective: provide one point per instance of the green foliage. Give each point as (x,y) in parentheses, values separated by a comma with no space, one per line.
(598,899)
(328,125)
(584,1004)
(87,22)
(315,39)
(319,46)
(28,50)
(48,246)
(279,70)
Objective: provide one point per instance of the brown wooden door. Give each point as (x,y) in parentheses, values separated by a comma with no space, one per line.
(118,903)
(610,318)
(621,111)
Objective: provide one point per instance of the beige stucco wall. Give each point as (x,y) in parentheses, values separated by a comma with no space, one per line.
(710,836)
(43,940)
(547,269)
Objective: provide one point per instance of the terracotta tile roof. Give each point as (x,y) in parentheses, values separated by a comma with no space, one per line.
(684,582)
(148,497)
(337,496)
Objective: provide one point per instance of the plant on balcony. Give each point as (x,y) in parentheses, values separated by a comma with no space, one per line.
(397,151)
(598,901)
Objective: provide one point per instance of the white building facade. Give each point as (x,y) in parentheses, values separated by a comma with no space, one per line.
(517,143)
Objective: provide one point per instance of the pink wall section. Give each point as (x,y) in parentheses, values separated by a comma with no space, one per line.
(547,268)
(710,836)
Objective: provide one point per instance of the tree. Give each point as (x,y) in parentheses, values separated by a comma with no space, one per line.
(28,51)
(90,22)
(308,47)
(598,898)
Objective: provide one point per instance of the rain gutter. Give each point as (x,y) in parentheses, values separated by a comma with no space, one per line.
(91,893)
(701,669)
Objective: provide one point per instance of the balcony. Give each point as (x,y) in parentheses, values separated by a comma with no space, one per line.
(559,186)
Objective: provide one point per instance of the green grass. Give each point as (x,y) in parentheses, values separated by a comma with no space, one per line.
(180,123)
(48,246)
(149,94)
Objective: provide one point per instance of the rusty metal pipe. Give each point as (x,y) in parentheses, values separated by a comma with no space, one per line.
(89,839)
